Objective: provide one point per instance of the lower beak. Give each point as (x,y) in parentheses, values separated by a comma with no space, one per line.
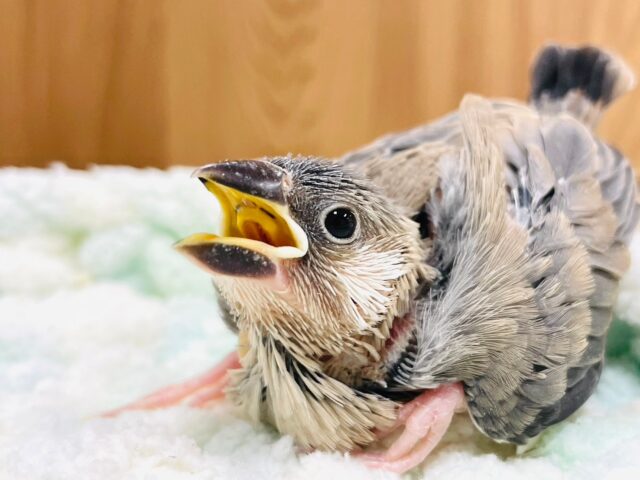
(258,233)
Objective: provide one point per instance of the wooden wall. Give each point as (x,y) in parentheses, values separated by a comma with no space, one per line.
(161,82)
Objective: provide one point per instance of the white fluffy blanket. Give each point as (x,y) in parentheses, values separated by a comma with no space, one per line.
(96,310)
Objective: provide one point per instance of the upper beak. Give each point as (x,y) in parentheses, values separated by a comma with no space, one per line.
(257,229)
(252,177)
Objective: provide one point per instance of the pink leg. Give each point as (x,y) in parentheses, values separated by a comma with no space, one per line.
(198,392)
(425,420)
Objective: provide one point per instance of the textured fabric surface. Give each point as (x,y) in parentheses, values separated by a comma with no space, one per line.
(96,309)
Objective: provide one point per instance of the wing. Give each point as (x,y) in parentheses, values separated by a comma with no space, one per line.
(561,181)
(531,224)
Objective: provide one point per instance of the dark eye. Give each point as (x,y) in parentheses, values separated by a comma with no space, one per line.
(341,223)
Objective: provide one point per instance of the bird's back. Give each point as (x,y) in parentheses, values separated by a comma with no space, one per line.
(574,197)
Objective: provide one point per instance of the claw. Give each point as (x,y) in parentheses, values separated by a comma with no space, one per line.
(426,420)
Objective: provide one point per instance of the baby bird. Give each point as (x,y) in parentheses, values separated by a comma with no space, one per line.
(471,265)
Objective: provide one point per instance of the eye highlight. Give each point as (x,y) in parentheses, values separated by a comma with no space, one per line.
(340,223)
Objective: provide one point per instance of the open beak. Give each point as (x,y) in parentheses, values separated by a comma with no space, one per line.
(257,231)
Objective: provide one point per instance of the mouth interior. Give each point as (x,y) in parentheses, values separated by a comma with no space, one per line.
(256,223)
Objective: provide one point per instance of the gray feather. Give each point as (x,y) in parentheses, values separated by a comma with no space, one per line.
(528,278)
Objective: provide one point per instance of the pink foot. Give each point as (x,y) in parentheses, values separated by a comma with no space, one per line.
(425,419)
(198,392)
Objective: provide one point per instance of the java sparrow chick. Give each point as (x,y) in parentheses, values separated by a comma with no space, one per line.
(470,264)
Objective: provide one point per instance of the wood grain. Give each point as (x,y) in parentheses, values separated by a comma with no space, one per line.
(162,82)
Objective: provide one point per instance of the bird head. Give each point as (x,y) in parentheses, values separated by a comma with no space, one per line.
(309,252)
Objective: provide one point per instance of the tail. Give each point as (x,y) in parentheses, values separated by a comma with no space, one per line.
(580,81)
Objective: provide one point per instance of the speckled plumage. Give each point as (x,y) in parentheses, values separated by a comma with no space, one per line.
(491,245)
(531,272)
